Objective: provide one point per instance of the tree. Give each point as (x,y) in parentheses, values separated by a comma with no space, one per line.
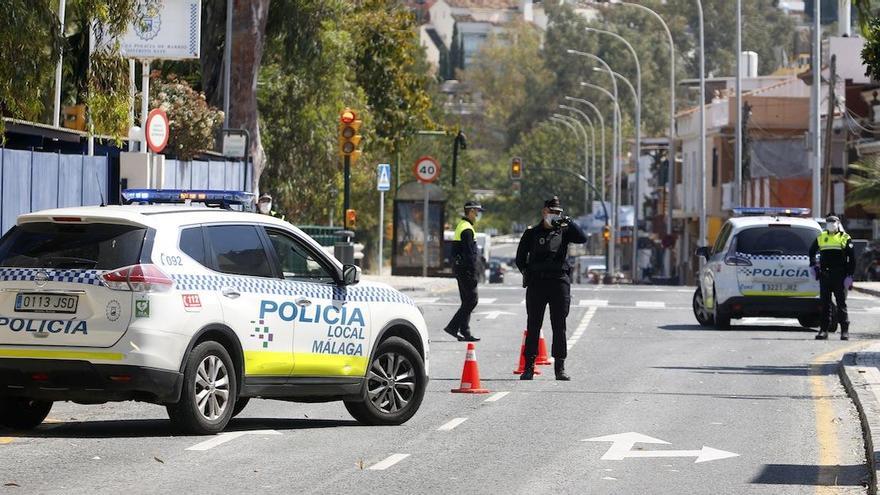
(193,122)
(865,185)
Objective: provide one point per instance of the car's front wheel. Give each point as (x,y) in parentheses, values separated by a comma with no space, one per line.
(721,317)
(703,315)
(209,389)
(394,386)
(23,414)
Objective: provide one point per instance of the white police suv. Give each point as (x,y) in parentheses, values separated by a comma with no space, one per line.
(199,309)
(759,266)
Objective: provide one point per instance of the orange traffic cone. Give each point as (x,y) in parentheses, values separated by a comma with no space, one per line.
(470,375)
(522,358)
(543,359)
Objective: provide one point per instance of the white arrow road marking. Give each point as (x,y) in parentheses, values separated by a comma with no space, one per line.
(488,300)
(593,302)
(650,304)
(452,424)
(492,315)
(388,462)
(425,300)
(496,396)
(228,436)
(622,444)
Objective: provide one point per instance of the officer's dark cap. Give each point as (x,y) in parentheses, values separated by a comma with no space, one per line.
(553,204)
(473,205)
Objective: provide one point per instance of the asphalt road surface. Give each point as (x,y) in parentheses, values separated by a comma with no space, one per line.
(658,405)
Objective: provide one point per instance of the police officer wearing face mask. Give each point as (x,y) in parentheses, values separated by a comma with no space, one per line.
(264,206)
(542,257)
(466,263)
(835,273)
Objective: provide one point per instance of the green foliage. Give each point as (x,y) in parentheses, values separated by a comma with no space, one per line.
(192,121)
(30,41)
(871,50)
(108,97)
(865,185)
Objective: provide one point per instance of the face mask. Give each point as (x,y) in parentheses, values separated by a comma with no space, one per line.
(265,207)
(832,227)
(550,218)
(479,216)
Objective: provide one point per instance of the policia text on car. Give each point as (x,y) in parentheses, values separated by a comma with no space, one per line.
(465,264)
(542,257)
(834,269)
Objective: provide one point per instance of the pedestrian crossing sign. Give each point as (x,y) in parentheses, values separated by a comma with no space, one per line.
(384,175)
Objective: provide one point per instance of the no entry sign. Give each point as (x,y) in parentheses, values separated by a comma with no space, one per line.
(157,130)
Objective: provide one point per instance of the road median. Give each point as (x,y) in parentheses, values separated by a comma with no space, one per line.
(860,374)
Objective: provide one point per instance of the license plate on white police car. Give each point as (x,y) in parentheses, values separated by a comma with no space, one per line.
(780,287)
(30,302)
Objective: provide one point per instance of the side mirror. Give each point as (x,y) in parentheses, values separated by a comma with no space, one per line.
(351,274)
(702,251)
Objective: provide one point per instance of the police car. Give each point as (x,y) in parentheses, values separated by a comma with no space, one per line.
(199,309)
(759,266)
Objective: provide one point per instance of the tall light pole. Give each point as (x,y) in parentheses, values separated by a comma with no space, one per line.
(602,125)
(704,241)
(580,126)
(637,98)
(615,171)
(56,115)
(592,148)
(815,113)
(738,183)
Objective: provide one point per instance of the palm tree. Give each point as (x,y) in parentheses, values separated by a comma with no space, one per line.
(863,7)
(864,184)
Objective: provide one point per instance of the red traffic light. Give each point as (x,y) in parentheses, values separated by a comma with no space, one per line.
(347,116)
(350,218)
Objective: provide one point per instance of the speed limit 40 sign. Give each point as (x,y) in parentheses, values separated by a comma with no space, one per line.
(426,169)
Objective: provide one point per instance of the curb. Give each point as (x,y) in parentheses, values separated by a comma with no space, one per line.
(867,402)
(864,290)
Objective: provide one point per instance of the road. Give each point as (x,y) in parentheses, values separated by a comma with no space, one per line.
(763,394)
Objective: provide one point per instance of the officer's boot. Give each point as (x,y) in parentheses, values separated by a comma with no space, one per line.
(529,369)
(823,333)
(559,368)
(844,331)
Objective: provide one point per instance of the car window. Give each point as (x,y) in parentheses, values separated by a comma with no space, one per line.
(193,244)
(85,246)
(295,260)
(722,238)
(238,250)
(775,240)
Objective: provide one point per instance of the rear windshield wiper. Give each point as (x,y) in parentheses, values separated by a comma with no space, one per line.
(70,261)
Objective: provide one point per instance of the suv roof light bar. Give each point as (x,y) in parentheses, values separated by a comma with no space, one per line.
(771,212)
(209,197)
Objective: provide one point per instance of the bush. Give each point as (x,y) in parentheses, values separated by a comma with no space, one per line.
(193,122)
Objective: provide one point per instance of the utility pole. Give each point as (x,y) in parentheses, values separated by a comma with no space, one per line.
(815,104)
(829,132)
(746,157)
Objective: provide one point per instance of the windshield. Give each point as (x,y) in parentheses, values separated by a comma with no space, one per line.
(88,246)
(776,240)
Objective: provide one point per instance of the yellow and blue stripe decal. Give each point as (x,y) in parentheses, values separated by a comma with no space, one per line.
(780,293)
(272,363)
(58,354)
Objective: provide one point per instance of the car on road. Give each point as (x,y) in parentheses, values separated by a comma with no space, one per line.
(759,266)
(199,309)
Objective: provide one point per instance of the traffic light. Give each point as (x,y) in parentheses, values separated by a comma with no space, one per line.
(606,233)
(350,218)
(516,168)
(349,139)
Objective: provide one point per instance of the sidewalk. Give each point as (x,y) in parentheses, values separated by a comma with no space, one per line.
(860,374)
(871,288)
(430,285)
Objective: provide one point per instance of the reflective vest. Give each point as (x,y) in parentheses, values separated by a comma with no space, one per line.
(463,225)
(832,242)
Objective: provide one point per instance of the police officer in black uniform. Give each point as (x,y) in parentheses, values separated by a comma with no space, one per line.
(542,257)
(466,263)
(835,268)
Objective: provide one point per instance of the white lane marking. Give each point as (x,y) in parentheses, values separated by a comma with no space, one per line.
(522,303)
(593,302)
(388,462)
(493,315)
(228,436)
(452,424)
(426,300)
(582,327)
(488,300)
(650,304)
(769,322)
(496,396)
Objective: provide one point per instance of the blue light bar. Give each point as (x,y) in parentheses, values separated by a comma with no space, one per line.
(771,212)
(210,197)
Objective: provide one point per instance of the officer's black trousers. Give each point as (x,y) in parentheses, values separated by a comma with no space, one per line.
(832,283)
(467,290)
(540,294)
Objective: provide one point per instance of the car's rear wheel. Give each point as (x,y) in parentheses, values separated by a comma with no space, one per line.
(209,387)
(394,386)
(704,316)
(23,414)
(720,316)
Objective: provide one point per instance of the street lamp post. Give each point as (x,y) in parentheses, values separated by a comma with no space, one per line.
(737,196)
(583,131)
(602,125)
(704,241)
(815,113)
(637,98)
(615,171)
(592,147)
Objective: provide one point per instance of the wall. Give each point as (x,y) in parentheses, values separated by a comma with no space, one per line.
(206,175)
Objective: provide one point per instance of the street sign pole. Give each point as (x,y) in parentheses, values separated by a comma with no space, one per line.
(346,192)
(381,226)
(425,234)
(427,170)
